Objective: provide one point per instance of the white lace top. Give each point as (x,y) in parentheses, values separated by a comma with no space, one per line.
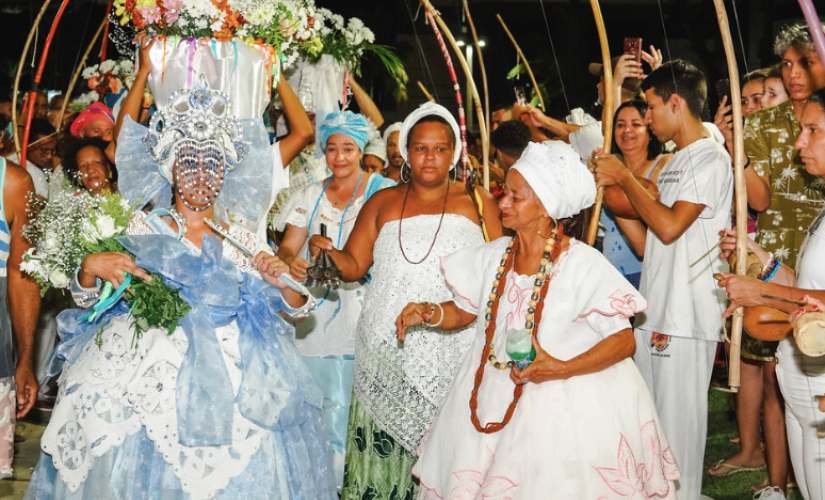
(402,385)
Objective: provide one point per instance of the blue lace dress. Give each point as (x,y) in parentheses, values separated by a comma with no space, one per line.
(221,408)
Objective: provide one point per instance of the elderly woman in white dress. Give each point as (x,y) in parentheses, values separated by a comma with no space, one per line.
(566,411)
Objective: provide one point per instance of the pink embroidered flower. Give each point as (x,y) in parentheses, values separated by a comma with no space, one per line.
(476,484)
(642,481)
(521,298)
(623,304)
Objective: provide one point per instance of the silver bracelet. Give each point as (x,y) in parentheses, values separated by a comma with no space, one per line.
(305,310)
(85,297)
(441,318)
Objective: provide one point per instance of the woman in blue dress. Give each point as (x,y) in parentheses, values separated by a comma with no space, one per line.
(222,407)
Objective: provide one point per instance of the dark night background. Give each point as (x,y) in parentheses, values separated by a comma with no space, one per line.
(690,25)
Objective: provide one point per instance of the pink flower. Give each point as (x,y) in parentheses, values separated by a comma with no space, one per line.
(172,16)
(173,11)
(94,82)
(151,15)
(115,86)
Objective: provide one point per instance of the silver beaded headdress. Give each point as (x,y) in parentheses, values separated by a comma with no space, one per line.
(197,117)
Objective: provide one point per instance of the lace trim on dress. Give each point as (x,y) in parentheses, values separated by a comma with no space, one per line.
(115,390)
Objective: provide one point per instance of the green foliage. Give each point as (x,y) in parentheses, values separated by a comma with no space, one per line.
(154,305)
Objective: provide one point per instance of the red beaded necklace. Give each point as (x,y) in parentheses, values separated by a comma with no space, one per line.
(490,317)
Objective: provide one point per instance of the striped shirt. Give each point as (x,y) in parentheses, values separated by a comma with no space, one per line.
(5,234)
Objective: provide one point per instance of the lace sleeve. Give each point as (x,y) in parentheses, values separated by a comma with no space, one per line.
(136,225)
(297,209)
(249,240)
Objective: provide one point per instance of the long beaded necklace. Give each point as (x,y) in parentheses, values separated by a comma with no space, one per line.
(532,320)
(340,225)
(438,229)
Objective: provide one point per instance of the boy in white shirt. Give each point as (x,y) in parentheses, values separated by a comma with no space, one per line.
(676,337)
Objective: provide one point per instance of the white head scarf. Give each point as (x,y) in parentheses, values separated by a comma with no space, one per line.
(427,109)
(395,127)
(556,174)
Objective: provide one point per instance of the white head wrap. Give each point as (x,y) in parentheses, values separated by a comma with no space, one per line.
(376,145)
(427,109)
(395,127)
(556,174)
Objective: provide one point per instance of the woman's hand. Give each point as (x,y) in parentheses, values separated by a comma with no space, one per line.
(318,243)
(109,266)
(144,42)
(545,367)
(742,291)
(413,313)
(270,268)
(727,245)
(812,305)
(653,58)
(297,268)
(724,121)
(627,67)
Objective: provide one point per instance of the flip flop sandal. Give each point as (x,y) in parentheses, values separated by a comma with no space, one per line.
(732,469)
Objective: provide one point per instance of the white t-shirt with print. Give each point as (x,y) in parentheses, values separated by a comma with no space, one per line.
(678,278)
(810,273)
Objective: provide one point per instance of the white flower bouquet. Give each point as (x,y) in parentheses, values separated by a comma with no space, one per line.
(71,226)
(65,230)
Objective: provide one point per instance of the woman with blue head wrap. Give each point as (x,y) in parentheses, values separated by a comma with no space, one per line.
(326,340)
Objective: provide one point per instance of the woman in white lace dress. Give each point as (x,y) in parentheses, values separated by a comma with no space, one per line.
(401,233)
(576,421)
(326,339)
(223,406)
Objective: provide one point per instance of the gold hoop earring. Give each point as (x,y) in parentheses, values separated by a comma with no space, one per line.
(552,233)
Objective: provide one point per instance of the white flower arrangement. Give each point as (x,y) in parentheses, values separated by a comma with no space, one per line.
(65,230)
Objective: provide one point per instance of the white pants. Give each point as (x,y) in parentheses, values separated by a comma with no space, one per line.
(677,371)
(801,379)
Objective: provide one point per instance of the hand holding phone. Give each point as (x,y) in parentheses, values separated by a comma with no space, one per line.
(521,96)
(634,46)
(723,90)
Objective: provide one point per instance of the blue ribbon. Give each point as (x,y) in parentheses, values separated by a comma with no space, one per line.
(272,392)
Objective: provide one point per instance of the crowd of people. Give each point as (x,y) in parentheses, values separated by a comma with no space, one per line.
(364,325)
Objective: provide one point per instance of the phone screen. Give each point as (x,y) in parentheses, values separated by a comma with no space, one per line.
(521,96)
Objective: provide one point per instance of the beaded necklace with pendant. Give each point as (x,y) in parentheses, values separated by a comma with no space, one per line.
(532,319)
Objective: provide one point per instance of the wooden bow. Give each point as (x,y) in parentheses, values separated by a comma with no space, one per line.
(20,72)
(607,115)
(741,201)
(33,93)
(485,140)
(79,70)
(526,62)
(433,14)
